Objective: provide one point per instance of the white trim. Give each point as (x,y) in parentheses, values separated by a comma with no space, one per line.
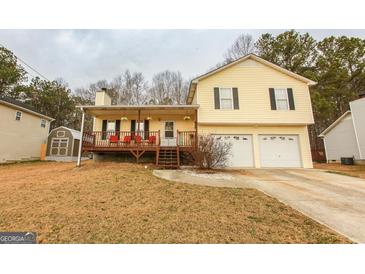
(173,130)
(220,99)
(334,124)
(325,149)
(111,121)
(287,99)
(357,138)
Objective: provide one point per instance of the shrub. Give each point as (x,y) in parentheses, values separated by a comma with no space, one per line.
(211,152)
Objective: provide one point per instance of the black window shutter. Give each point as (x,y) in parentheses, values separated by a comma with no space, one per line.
(146,129)
(291,99)
(133,128)
(236,104)
(117,127)
(216,98)
(272,98)
(103,129)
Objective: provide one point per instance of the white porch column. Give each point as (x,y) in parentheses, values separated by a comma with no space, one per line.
(81,138)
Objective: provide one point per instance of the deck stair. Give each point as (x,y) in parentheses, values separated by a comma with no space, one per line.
(168,157)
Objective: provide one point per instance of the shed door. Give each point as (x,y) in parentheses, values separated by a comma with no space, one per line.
(59,146)
(279,151)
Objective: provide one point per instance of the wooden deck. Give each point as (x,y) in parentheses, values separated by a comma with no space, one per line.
(139,142)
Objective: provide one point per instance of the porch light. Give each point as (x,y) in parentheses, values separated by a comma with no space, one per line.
(148,118)
(187,118)
(124,118)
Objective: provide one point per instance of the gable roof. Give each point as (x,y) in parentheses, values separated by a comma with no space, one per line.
(334,124)
(21,106)
(75,133)
(194,82)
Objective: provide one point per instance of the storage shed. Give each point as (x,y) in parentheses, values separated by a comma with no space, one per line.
(63,144)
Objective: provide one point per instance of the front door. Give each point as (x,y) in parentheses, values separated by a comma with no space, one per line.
(168,137)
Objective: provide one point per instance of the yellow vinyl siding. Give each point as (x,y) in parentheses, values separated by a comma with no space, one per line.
(157,123)
(255,131)
(20,140)
(253,81)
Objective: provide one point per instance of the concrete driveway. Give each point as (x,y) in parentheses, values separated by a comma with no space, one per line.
(334,200)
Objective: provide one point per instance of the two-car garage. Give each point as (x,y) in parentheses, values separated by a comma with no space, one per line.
(274,150)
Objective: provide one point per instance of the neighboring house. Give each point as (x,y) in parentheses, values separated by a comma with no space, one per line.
(63,144)
(260,108)
(22,131)
(346,136)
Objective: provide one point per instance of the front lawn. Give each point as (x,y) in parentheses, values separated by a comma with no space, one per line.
(125,203)
(354,171)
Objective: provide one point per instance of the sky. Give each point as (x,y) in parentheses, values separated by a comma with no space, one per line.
(82,57)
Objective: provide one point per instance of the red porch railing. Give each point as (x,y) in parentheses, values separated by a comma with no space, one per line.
(144,140)
(186,138)
(120,139)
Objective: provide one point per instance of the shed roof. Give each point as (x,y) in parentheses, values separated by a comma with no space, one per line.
(75,133)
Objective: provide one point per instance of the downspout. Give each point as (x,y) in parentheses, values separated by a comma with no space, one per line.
(81,138)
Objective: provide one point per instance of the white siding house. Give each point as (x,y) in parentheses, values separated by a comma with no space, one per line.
(346,136)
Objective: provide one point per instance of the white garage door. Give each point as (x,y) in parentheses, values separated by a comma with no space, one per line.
(279,151)
(241,150)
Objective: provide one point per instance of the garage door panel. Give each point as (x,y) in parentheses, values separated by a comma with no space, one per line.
(241,149)
(279,151)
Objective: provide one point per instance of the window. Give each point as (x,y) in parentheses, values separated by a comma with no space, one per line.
(169,129)
(281,98)
(226,98)
(43,123)
(18,115)
(110,126)
(141,125)
(61,133)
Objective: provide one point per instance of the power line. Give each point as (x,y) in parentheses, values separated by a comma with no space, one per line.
(29,66)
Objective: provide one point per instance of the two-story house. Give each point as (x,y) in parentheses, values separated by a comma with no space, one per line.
(260,108)
(22,131)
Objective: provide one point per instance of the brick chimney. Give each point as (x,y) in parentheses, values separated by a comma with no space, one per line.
(102,98)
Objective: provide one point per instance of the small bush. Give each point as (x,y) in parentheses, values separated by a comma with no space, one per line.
(211,152)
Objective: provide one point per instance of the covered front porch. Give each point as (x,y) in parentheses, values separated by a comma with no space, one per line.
(138,129)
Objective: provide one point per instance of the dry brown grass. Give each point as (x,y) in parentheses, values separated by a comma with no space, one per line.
(354,171)
(125,203)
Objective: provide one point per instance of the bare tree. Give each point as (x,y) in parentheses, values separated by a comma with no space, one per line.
(123,85)
(85,94)
(131,88)
(179,88)
(242,46)
(211,152)
(160,91)
(168,87)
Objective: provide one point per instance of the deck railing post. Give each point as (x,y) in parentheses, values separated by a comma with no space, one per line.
(159,138)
